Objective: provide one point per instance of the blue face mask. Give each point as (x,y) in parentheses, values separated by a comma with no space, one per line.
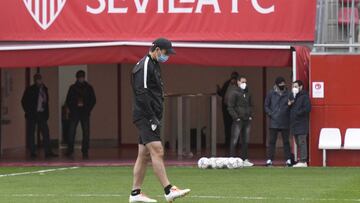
(163,58)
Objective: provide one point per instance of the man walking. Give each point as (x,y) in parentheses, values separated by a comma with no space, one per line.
(80,100)
(276,107)
(300,108)
(147,114)
(240,108)
(35,102)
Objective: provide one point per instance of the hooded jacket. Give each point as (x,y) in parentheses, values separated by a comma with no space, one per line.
(300,114)
(277,108)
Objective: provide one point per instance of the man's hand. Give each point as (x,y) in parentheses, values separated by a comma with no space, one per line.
(290,102)
(238,120)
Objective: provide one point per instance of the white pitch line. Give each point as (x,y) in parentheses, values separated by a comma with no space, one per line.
(37,172)
(244,198)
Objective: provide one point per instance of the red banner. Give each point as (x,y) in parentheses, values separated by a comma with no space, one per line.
(144,20)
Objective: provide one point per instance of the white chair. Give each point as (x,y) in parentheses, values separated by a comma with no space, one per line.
(352,139)
(330,138)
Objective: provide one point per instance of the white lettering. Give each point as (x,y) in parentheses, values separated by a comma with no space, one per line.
(235,6)
(262,10)
(214,3)
(173,9)
(112,8)
(160,6)
(100,9)
(141,7)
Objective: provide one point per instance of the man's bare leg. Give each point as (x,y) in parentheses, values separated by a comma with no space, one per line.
(140,166)
(157,156)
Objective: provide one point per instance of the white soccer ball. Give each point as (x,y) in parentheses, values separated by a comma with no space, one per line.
(212,162)
(220,163)
(231,163)
(203,163)
(239,163)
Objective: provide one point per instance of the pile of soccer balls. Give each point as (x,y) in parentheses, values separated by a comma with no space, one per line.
(220,163)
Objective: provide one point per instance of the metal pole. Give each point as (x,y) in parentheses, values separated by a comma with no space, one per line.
(352,25)
(324,157)
(294,72)
(213,125)
(180,125)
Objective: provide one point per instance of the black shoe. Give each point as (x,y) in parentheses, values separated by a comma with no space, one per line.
(33,155)
(51,155)
(69,154)
(85,155)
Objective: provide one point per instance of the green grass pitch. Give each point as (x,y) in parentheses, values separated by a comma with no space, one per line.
(113,184)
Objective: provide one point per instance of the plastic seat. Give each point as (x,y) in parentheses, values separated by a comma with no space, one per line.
(330,138)
(352,139)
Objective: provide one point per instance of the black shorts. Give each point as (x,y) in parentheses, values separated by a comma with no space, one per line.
(146,134)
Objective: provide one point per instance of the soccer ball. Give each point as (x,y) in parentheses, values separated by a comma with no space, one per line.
(239,163)
(212,162)
(220,163)
(203,163)
(231,163)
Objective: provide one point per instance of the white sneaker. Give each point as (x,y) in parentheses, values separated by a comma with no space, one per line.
(247,163)
(140,198)
(176,193)
(269,163)
(300,165)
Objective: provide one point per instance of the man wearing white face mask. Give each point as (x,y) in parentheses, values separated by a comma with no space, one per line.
(300,108)
(240,108)
(148,92)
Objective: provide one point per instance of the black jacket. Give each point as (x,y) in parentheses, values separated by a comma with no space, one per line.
(29,102)
(300,113)
(148,90)
(80,92)
(277,108)
(239,103)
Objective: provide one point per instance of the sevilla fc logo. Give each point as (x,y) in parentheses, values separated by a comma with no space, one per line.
(44,12)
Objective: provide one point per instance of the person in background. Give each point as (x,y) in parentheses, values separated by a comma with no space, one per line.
(35,102)
(222,92)
(276,107)
(80,100)
(300,108)
(240,108)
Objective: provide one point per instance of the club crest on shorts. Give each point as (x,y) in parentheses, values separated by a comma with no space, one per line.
(44,12)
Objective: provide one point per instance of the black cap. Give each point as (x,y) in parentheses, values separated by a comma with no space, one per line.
(166,44)
(279,80)
(80,74)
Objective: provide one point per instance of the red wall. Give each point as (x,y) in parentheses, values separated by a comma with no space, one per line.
(339,109)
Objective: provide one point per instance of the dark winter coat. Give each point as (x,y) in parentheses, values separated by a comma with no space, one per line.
(300,113)
(83,92)
(29,102)
(239,103)
(277,108)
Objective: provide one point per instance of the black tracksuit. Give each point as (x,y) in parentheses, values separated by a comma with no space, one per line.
(80,100)
(148,99)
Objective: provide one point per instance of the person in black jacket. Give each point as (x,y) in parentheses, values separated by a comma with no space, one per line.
(240,108)
(35,102)
(80,100)
(148,91)
(300,108)
(276,107)
(222,92)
